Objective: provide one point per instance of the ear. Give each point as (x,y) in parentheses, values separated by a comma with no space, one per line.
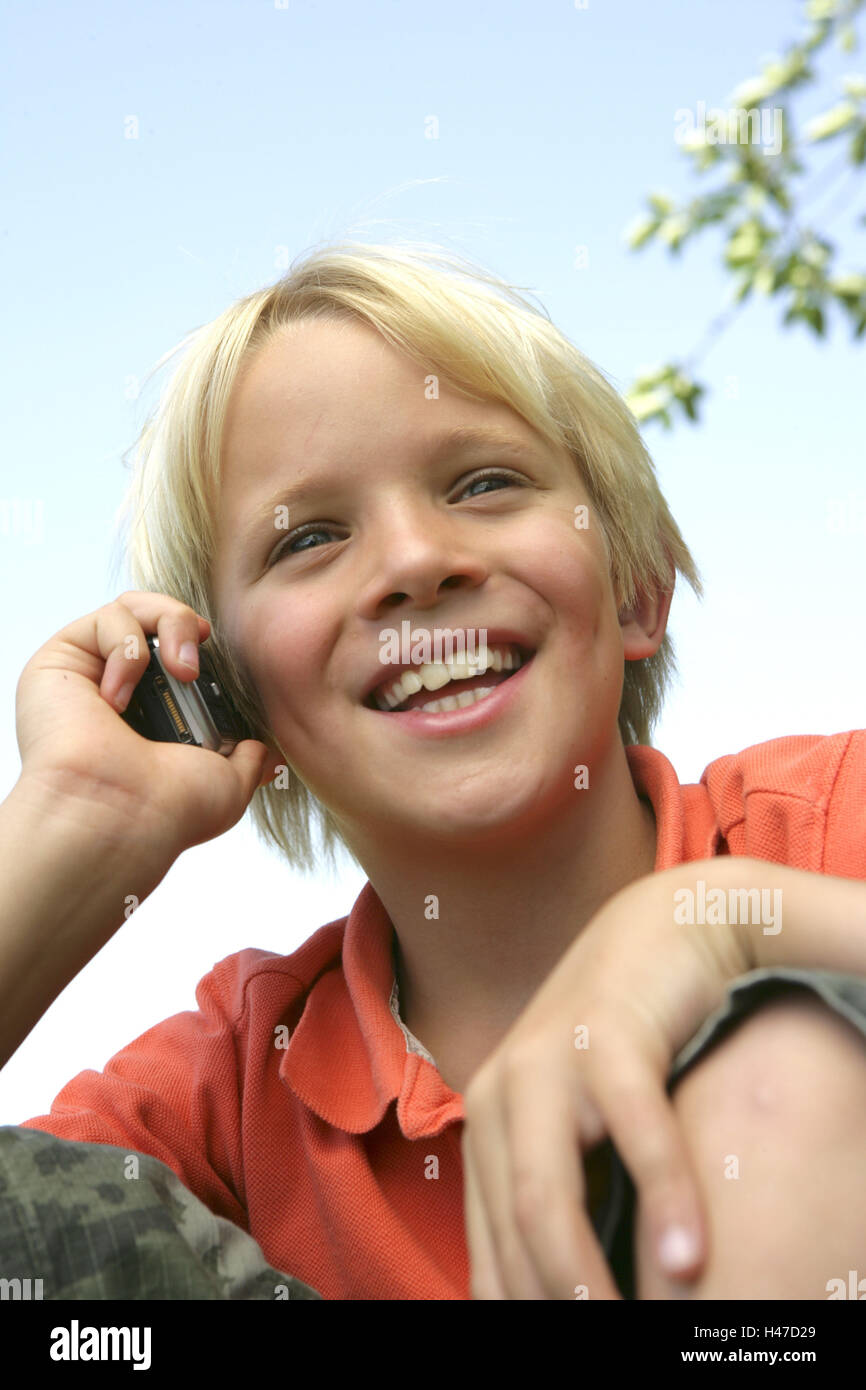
(644,624)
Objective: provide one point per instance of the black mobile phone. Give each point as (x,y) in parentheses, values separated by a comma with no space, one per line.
(167,710)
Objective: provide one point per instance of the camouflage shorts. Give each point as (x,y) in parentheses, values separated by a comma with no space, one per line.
(72,1226)
(69,1218)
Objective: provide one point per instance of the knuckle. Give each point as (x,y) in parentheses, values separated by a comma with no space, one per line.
(530,1199)
(516,1269)
(478,1089)
(519,1061)
(128,595)
(181,621)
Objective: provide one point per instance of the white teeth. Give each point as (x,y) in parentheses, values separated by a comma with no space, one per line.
(466,697)
(436,674)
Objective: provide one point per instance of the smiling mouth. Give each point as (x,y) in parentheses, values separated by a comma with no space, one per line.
(461,683)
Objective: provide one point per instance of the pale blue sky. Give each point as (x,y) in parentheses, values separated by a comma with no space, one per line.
(262,130)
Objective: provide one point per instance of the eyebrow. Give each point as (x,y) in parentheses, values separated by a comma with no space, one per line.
(462,440)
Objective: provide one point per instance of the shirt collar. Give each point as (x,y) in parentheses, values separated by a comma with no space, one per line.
(351,1055)
(686,825)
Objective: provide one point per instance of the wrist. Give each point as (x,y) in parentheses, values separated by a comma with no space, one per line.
(69,882)
(65,820)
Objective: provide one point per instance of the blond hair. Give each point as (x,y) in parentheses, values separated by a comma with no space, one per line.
(483,339)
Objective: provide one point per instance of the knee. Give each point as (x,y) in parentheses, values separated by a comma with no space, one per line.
(794,1069)
(774,1118)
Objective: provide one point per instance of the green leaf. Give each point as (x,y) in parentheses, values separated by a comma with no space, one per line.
(815,319)
(830,122)
(858,146)
(855,84)
(674,230)
(847,286)
(753,92)
(815,251)
(639,232)
(743,289)
(642,406)
(801,276)
(650,377)
(822,9)
(779,195)
(789,71)
(848,38)
(742,249)
(765,279)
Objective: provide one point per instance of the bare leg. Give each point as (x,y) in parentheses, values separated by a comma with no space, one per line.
(775,1116)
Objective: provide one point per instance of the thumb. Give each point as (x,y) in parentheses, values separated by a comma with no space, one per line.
(252,761)
(272,761)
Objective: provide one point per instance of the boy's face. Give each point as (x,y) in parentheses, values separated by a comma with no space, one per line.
(333,420)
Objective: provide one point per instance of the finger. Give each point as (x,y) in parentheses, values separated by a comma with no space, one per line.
(649,1139)
(178,628)
(162,612)
(548,1183)
(274,760)
(484,1278)
(249,758)
(115,635)
(486,1138)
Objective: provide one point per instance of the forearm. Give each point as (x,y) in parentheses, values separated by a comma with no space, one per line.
(773,914)
(67,885)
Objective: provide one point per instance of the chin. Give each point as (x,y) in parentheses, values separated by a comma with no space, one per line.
(482,820)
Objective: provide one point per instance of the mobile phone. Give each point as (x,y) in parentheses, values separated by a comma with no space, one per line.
(167,710)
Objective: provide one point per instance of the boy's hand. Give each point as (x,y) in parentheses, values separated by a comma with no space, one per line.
(589,1058)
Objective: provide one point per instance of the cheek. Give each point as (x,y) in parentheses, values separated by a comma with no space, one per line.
(569,568)
(285,647)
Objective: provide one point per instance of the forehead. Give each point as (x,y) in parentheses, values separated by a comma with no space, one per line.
(323,391)
(307,366)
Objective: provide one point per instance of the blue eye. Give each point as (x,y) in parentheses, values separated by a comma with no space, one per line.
(286,547)
(494,476)
(293,543)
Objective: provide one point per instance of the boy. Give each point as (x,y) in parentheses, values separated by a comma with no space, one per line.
(369,444)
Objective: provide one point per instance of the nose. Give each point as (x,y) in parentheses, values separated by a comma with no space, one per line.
(419,555)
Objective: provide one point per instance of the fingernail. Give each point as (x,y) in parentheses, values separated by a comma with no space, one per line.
(122,698)
(189,655)
(678,1249)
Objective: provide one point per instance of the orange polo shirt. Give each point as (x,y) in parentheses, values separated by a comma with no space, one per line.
(295,1103)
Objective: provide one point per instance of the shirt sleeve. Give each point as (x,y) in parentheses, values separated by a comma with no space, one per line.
(799,800)
(845,843)
(173,1093)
